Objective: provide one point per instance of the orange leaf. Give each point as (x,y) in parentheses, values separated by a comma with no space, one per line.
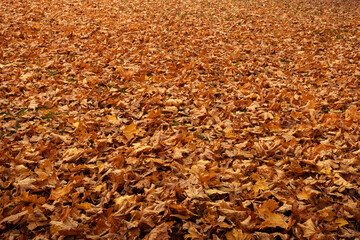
(130,131)
(260,183)
(341,222)
(60,192)
(54,229)
(111,118)
(238,234)
(271,219)
(84,205)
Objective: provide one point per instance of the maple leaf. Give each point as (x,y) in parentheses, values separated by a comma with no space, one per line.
(130,131)
(305,194)
(123,201)
(238,234)
(72,154)
(60,192)
(181,125)
(271,219)
(159,232)
(26,197)
(194,234)
(308,228)
(341,222)
(260,183)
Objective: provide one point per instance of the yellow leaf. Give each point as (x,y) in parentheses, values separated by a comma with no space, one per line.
(325,171)
(237,234)
(274,220)
(271,219)
(229,133)
(123,201)
(40,128)
(260,183)
(54,229)
(255,176)
(245,91)
(99,188)
(84,205)
(36,26)
(111,118)
(130,131)
(341,222)
(304,194)
(75,124)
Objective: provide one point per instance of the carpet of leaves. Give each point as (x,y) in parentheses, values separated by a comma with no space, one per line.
(179,119)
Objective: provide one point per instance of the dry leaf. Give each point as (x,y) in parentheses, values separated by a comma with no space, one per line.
(238,234)
(341,222)
(183,119)
(271,219)
(130,131)
(60,192)
(308,228)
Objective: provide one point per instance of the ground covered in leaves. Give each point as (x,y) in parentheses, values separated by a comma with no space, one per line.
(169,119)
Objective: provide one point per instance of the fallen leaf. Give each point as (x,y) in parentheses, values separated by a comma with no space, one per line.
(84,205)
(123,201)
(130,131)
(60,192)
(13,219)
(260,183)
(341,222)
(159,232)
(271,219)
(238,234)
(308,228)
(111,118)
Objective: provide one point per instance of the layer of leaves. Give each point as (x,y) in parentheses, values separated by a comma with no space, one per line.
(167,119)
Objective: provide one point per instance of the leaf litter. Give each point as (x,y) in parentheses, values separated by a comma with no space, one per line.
(179,119)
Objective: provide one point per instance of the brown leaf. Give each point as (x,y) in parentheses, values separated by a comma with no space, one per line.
(159,232)
(130,131)
(238,234)
(271,219)
(13,219)
(308,228)
(60,192)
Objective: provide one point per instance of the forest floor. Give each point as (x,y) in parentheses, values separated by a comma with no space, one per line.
(170,119)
